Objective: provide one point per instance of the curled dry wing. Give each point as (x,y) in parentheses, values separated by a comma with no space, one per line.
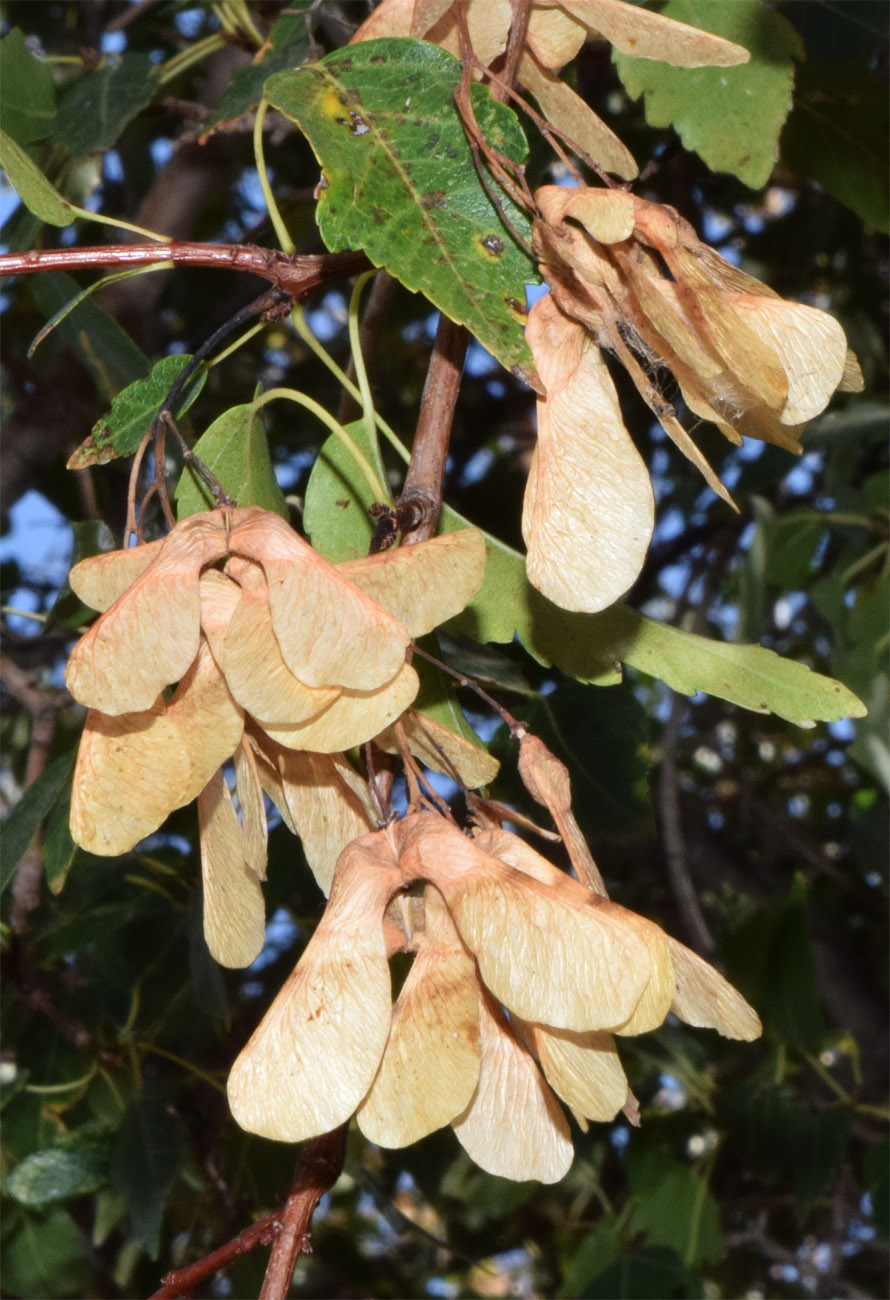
(149,636)
(589,509)
(330,633)
(430,1066)
(513,1127)
(315,1053)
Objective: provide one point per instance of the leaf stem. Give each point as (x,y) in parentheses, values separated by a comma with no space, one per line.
(287,244)
(298,318)
(379,489)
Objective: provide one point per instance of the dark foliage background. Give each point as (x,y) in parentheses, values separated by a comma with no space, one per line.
(760,1170)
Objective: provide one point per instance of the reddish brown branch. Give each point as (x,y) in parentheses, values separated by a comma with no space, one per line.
(318,1168)
(285,1229)
(421,498)
(296,276)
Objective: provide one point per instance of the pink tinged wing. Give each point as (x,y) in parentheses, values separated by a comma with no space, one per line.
(251,659)
(430,1066)
(426,584)
(234,911)
(582,1069)
(149,636)
(553,954)
(443,750)
(703,998)
(315,1054)
(209,722)
(100,580)
(588,512)
(330,633)
(647,35)
(513,1126)
(353,718)
(130,774)
(325,802)
(810,346)
(568,112)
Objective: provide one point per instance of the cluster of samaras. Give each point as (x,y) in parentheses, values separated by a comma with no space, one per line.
(231,639)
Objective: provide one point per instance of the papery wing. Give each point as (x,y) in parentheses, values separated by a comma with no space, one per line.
(314,1055)
(513,1126)
(426,584)
(706,1000)
(100,580)
(582,1069)
(325,801)
(353,718)
(648,35)
(330,633)
(443,750)
(588,512)
(149,636)
(430,1066)
(234,910)
(130,773)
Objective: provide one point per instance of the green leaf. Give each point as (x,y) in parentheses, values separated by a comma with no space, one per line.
(595,1253)
(837,135)
(586,646)
(335,513)
(27,91)
(32,187)
(146,1160)
(286,48)
(58,846)
(22,823)
(120,432)
(399,180)
(679,1211)
(94,112)
(44,1255)
(648,1274)
(236,450)
(609,778)
(77,1164)
(101,344)
(781,1135)
(730,116)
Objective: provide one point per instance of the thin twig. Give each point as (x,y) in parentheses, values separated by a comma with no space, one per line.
(296,276)
(318,1168)
(182,1281)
